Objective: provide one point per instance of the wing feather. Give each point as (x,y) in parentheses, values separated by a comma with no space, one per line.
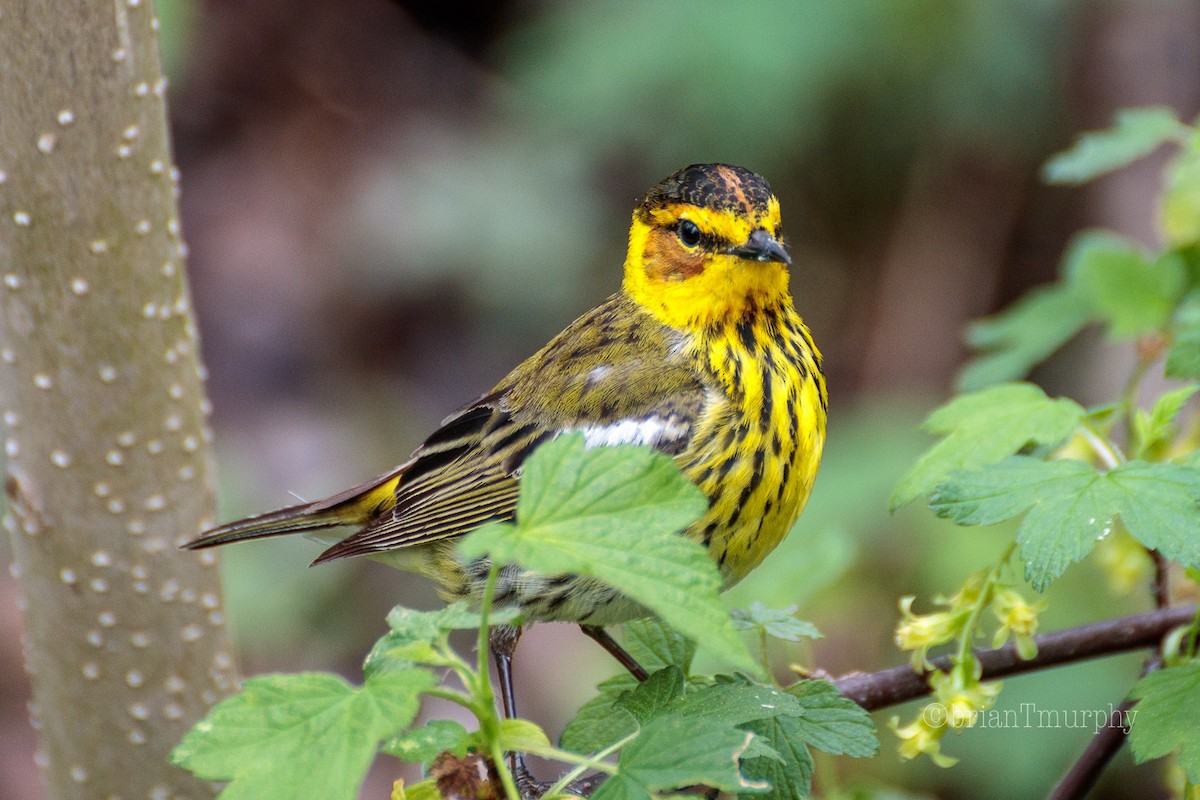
(628,386)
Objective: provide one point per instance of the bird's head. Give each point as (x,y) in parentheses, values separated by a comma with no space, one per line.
(706,246)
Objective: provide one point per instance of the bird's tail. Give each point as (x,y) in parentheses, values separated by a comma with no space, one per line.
(354,506)
(292,519)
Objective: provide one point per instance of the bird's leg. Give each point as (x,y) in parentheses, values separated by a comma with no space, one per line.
(614,649)
(502,642)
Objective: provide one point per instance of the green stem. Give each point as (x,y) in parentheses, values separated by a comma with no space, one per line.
(1193,635)
(453,660)
(454,697)
(506,778)
(762,651)
(489,723)
(484,689)
(567,757)
(985,598)
(1129,393)
(1108,452)
(595,762)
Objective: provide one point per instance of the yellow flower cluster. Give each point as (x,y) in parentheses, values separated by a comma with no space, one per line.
(919,632)
(1019,619)
(959,695)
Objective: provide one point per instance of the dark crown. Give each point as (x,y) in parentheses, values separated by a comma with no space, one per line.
(716,186)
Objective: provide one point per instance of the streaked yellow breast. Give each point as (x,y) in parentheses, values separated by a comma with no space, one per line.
(758,446)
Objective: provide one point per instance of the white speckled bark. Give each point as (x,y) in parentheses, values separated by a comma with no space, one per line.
(102,397)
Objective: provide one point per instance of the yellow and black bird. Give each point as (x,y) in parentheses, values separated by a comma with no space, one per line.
(701,354)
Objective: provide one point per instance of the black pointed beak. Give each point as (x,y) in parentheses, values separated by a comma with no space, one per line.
(761,246)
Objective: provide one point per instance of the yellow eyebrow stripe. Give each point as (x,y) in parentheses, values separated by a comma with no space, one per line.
(728,224)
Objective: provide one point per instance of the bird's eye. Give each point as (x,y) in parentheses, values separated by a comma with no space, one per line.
(689,234)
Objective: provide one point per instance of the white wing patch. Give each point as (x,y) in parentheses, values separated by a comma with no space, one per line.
(654,430)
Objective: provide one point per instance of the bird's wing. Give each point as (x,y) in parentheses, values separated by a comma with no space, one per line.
(615,381)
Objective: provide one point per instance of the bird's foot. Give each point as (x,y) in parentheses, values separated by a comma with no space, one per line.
(530,788)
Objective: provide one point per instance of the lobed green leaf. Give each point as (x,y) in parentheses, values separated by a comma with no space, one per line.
(309,734)
(1022,336)
(737,701)
(654,644)
(1158,505)
(983,427)
(833,723)
(673,752)
(1183,358)
(618,712)
(599,722)
(654,695)
(1135,133)
(780,623)
(614,513)
(1181,203)
(1132,291)
(423,744)
(414,633)
(1070,507)
(1105,278)
(522,736)
(790,774)
(1164,719)
(1157,426)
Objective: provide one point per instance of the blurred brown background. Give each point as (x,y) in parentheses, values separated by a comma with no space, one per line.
(390,204)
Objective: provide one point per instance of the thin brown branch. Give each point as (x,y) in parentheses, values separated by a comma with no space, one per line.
(1162,580)
(889,687)
(899,684)
(1084,773)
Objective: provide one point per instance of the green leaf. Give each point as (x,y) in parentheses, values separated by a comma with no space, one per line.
(599,722)
(1183,359)
(737,701)
(832,722)
(1165,718)
(522,736)
(309,734)
(1158,505)
(614,513)
(1014,341)
(671,752)
(789,775)
(414,633)
(780,623)
(422,745)
(1158,426)
(421,790)
(730,701)
(1069,511)
(654,695)
(1136,132)
(810,711)
(1131,291)
(1181,202)
(983,427)
(654,644)
(621,787)
(1071,507)
(429,626)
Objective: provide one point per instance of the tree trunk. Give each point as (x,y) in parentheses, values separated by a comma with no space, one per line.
(101,391)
